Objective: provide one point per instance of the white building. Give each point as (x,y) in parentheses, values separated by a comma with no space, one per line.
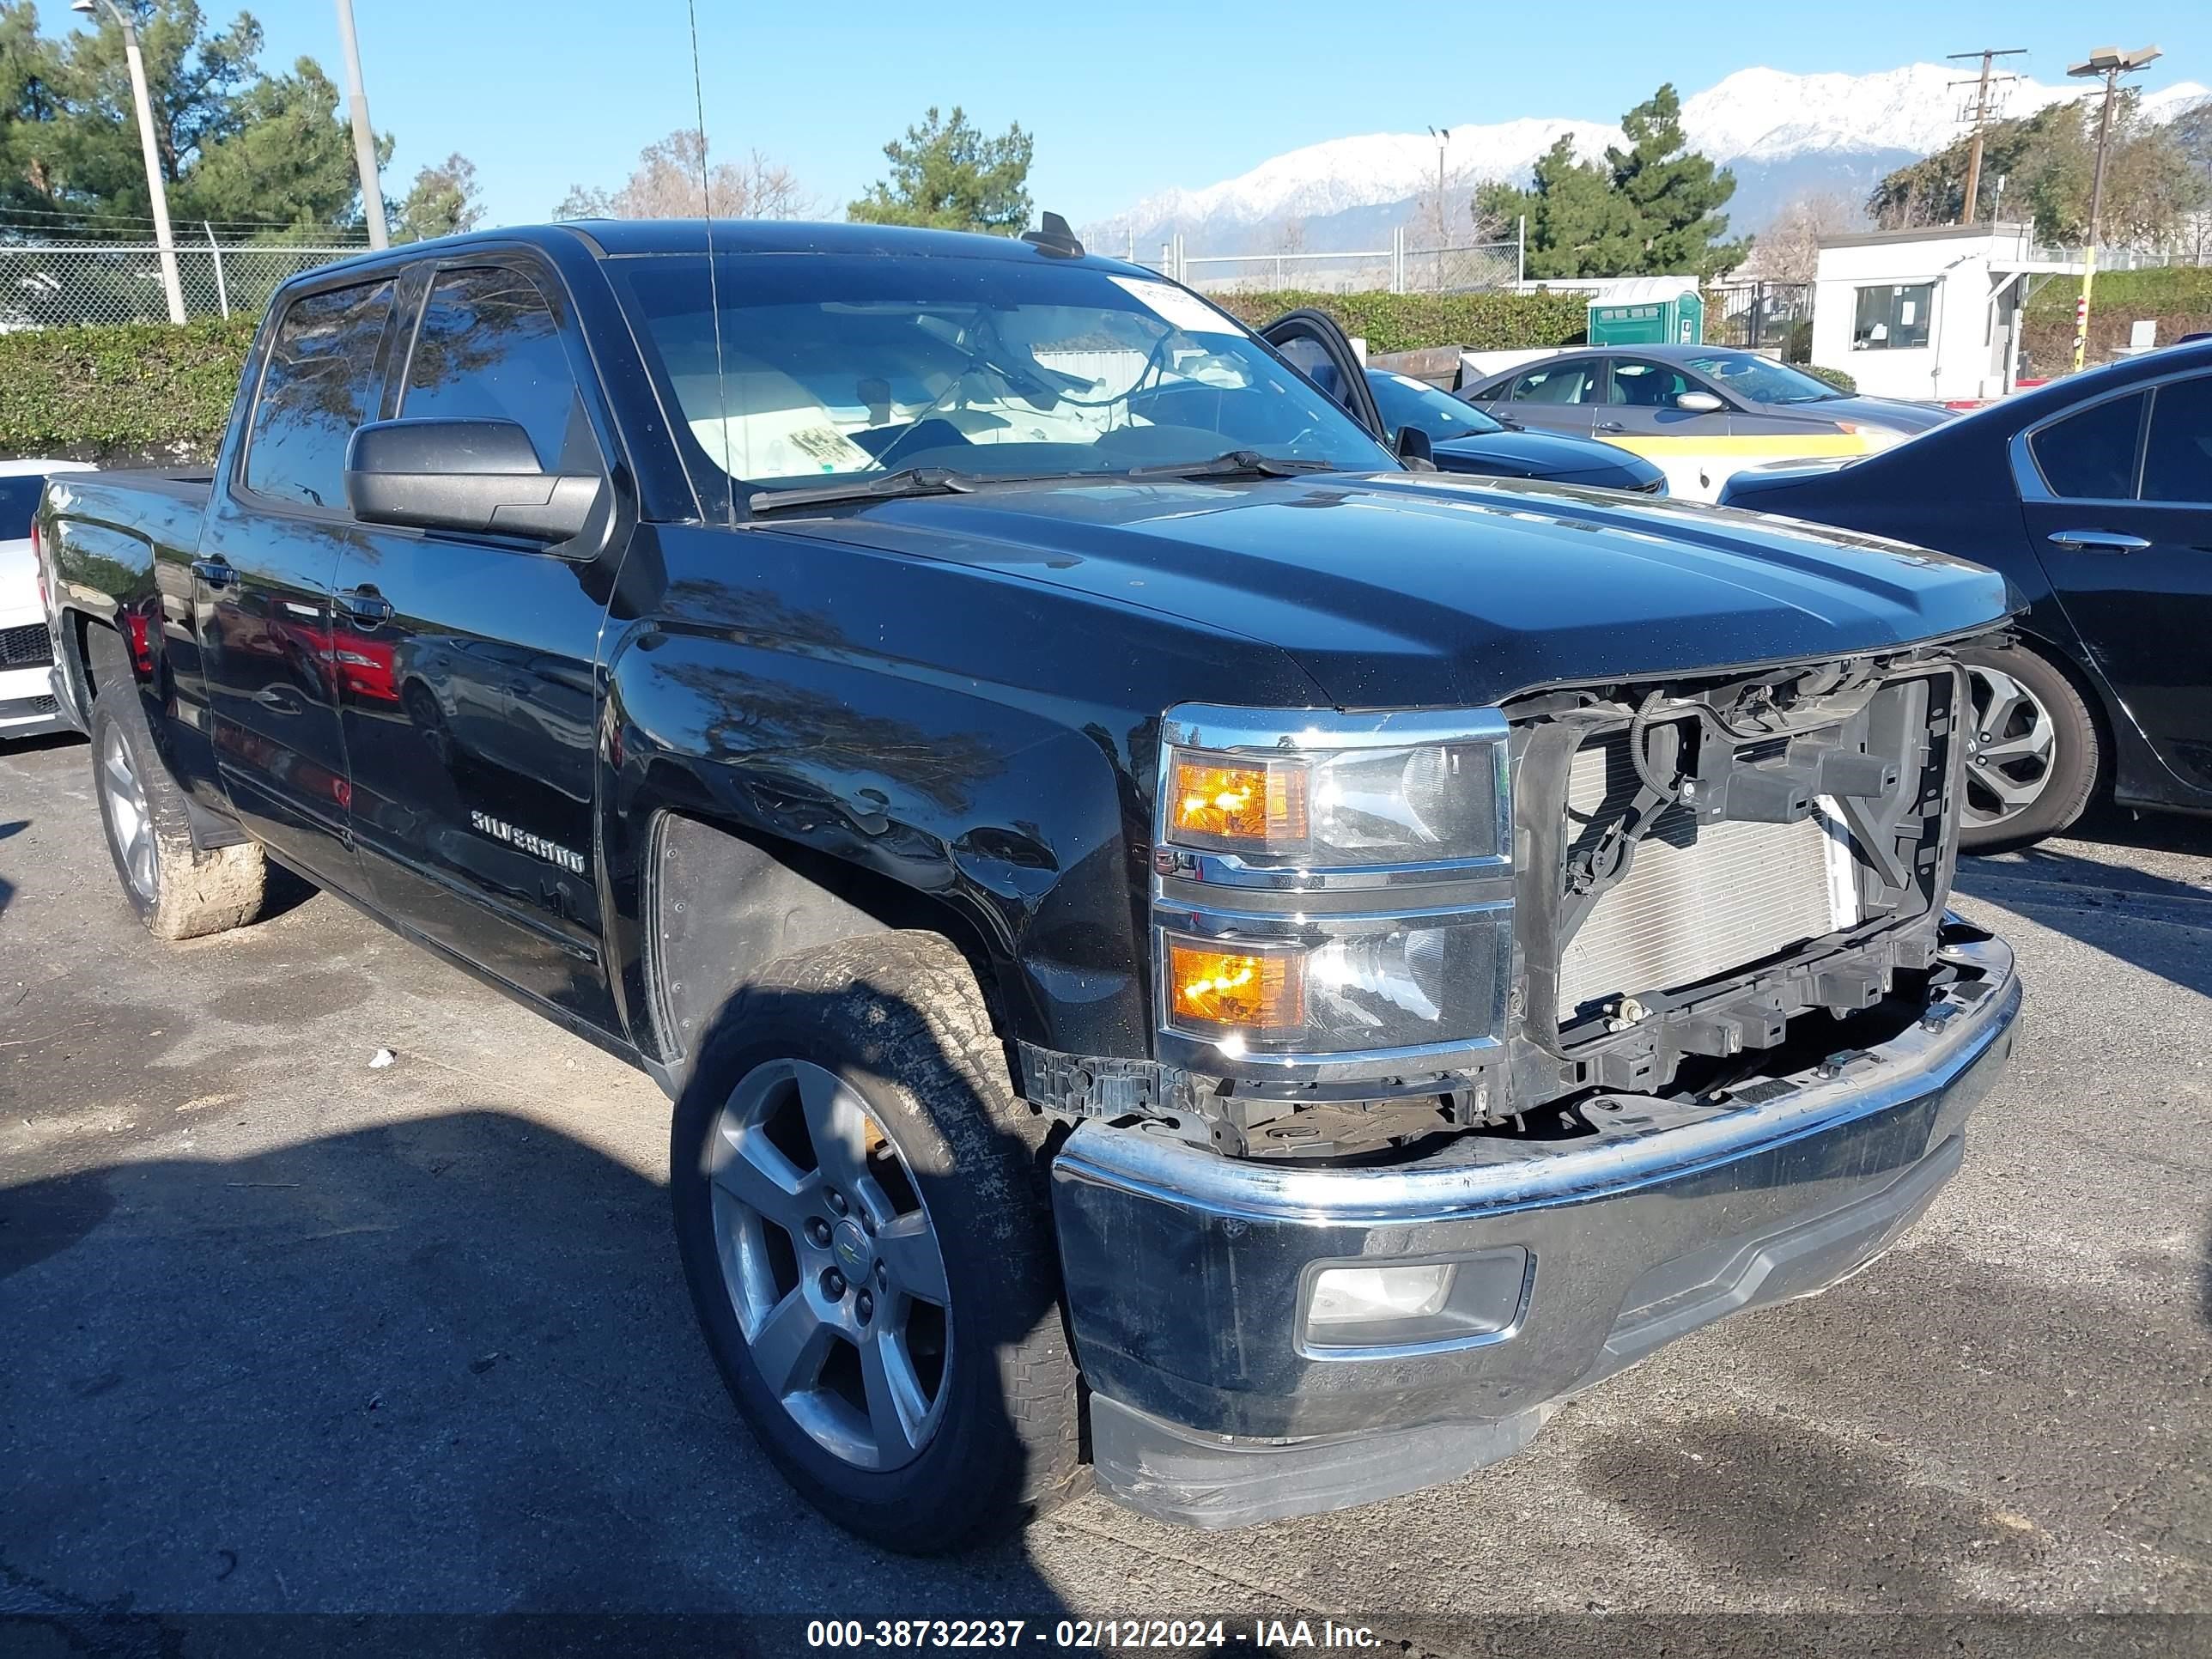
(1931,313)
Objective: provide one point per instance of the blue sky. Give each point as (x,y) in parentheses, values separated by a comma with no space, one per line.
(1124,96)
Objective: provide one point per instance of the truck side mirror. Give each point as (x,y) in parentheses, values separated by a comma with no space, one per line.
(481,478)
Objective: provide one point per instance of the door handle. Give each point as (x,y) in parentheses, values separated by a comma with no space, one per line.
(365,605)
(214,573)
(2108,541)
(1611,426)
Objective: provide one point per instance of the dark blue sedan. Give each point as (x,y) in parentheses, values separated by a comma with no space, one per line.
(1465,440)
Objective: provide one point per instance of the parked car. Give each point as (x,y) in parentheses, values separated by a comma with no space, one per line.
(2093,496)
(1174,939)
(1463,439)
(1701,412)
(27,701)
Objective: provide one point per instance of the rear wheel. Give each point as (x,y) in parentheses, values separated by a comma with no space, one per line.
(2032,752)
(178,891)
(861,1210)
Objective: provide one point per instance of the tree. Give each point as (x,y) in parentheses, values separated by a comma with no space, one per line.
(947,175)
(1789,249)
(442,202)
(667,184)
(268,153)
(2047,161)
(1674,193)
(1651,210)
(1577,222)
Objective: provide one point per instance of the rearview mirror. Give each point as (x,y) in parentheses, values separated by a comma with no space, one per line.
(478,477)
(1699,402)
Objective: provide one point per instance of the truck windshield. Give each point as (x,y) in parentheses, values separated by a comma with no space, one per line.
(831,367)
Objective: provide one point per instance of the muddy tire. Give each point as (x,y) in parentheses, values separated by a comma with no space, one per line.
(178,891)
(862,1214)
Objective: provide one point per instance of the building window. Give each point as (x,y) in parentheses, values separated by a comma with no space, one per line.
(1893,317)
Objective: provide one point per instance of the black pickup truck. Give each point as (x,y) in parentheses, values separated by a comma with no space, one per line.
(1180,944)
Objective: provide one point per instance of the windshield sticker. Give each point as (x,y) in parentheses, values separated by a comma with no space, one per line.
(1174,308)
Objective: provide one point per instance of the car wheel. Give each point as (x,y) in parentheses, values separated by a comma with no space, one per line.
(178,891)
(2032,750)
(861,1210)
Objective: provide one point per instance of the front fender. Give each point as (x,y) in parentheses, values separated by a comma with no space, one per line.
(1015,815)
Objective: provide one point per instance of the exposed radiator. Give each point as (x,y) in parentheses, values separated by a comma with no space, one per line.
(1698,900)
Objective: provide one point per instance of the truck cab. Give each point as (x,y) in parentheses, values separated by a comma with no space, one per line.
(1177,943)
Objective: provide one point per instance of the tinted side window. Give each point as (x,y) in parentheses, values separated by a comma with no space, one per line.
(19,501)
(2178,459)
(2091,456)
(318,385)
(489,348)
(1307,356)
(1557,383)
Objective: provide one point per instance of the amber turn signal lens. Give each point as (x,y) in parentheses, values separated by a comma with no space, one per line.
(1216,799)
(1247,990)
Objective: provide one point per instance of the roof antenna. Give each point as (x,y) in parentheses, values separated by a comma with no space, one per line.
(1055,237)
(713,290)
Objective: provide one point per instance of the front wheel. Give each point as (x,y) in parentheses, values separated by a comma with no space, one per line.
(2033,753)
(859,1207)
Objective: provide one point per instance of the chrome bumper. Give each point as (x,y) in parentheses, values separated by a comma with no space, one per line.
(1188,1274)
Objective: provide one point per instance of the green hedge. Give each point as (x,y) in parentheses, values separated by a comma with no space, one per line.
(2159,291)
(1490,321)
(129,386)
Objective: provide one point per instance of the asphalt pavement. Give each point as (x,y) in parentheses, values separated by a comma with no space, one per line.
(286,1332)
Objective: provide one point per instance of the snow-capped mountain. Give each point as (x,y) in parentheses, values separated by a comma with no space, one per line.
(1782,134)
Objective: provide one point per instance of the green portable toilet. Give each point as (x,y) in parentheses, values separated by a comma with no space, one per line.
(1648,311)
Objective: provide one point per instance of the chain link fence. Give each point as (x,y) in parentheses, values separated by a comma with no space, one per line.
(1400,268)
(58,285)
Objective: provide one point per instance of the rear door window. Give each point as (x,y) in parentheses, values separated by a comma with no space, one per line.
(1558,383)
(319,385)
(2177,456)
(489,349)
(2091,456)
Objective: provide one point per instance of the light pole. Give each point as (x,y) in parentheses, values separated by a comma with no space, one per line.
(364,140)
(2111,65)
(170,285)
(1442,135)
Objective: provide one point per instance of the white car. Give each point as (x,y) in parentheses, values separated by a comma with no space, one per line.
(26,652)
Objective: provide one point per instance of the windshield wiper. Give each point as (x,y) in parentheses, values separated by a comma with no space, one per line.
(869,486)
(1234,464)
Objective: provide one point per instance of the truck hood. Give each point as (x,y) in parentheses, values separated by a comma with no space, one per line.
(1402,589)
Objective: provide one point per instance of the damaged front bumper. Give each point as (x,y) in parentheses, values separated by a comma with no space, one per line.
(1191,1277)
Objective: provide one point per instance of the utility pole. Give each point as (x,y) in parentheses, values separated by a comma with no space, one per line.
(1443,219)
(2110,65)
(1982,110)
(364,139)
(156,194)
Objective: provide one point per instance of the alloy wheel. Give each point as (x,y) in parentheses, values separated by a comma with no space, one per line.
(831,1264)
(2010,746)
(130,822)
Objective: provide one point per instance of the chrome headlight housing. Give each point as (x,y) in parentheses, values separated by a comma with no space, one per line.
(1331,892)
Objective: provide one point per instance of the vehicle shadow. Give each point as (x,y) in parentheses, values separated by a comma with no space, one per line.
(2121,908)
(440,1365)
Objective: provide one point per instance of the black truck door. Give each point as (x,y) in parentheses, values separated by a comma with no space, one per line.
(277,525)
(471,724)
(1311,343)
